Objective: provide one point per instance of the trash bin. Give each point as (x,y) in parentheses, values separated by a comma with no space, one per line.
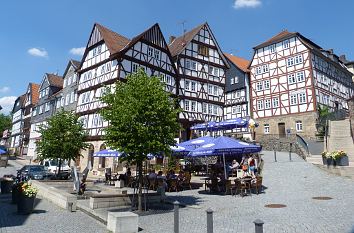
(6,185)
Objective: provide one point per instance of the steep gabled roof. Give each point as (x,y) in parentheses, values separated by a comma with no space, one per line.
(55,80)
(180,43)
(114,41)
(75,63)
(240,62)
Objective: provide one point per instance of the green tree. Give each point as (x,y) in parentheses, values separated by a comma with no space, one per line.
(5,122)
(62,138)
(142,119)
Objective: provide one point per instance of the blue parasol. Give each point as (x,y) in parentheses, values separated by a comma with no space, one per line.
(107,153)
(2,151)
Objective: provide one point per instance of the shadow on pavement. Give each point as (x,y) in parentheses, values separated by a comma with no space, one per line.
(8,212)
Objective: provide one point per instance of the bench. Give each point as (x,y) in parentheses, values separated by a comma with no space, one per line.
(109,200)
(59,197)
(122,222)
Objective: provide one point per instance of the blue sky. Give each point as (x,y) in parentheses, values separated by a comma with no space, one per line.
(37,36)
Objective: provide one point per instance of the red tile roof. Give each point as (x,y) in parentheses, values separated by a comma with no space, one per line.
(55,80)
(239,62)
(114,41)
(178,44)
(34,92)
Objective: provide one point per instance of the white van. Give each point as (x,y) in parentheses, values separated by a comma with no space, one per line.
(52,166)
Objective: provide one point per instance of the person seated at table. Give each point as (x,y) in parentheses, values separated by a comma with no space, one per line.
(218,166)
(171,175)
(108,175)
(125,177)
(152,175)
(221,182)
(234,166)
(213,185)
(161,180)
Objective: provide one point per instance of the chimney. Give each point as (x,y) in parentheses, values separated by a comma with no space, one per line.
(172,38)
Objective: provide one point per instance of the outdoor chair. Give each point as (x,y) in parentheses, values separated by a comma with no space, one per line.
(241,187)
(258,184)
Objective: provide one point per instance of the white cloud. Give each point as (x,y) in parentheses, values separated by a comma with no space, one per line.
(247,3)
(77,51)
(7,103)
(38,52)
(4,89)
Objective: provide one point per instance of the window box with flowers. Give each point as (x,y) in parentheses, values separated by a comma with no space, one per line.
(335,158)
(25,202)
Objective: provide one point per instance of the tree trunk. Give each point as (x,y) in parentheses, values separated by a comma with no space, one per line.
(140,170)
(59,167)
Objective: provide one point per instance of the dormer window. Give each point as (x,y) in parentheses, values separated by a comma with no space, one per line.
(286,44)
(272,48)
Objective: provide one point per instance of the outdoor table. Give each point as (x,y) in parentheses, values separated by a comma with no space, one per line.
(206,181)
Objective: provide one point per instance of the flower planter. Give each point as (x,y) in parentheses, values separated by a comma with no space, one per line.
(6,186)
(25,205)
(15,194)
(342,161)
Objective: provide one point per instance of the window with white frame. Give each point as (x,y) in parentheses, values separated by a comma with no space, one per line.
(64,84)
(188,64)
(205,108)
(232,81)
(150,51)
(275,102)
(211,70)
(266,129)
(266,84)
(74,78)
(186,105)
(72,97)
(259,86)
(46,107)
(210,109)
(290,61)
(267,104)
(186,85)
(40,109)
(47,91)
(286,44)
(193,106)
(262,69)
(291,79)
(70,80)
(298,126)
(168,79)
(238,94)
(298,59)
(300,76)
(62,101)
(67,99)
(134,67)
(215,110)
(58,103)
(233,110)
(193,86)
(258,70)
(215,91)
(157,54)
(216,71)
(193,65)
(302,98)
(260,104)
(210,89)
(236,79)
(238,109)
(34,112)
(293,99)
(233,95)
(272,48)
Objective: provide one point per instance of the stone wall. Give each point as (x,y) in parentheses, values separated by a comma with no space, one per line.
(308,124)
(272,142)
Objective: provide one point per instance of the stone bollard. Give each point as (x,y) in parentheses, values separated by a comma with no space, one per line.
(291,144)
(176,216)
(258,224)
(209,220)
(275,154)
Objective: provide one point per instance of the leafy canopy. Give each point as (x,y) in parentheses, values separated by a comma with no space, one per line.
(5,122)
(142,117)
(62,137)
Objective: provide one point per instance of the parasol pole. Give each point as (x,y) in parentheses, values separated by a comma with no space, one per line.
(223,155)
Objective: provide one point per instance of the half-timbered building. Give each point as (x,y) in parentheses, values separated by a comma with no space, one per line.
(237,103)
(31,99)
(66,98)
(109,57)
(45,108)
(17,124)
(290,77)
(202,71)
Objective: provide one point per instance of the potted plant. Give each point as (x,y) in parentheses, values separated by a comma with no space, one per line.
(340,158)
(16,192)
(25,204)
(327,158)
